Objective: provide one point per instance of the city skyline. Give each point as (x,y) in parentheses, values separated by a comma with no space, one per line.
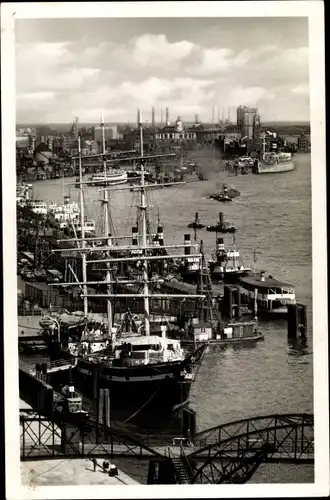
(188,65)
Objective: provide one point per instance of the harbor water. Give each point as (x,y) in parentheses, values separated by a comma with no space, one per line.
(273,219)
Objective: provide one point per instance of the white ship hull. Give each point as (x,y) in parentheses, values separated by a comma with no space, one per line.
(264,168)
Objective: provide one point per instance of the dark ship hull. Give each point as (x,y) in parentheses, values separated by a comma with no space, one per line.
(221,229)
(159,387)
(228,276)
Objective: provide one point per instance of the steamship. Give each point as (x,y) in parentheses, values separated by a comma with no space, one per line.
(142,370)
(272,163)
(227,263)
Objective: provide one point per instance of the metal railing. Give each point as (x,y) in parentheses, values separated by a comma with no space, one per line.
(31,370)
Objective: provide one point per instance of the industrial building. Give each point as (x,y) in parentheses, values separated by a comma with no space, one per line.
(304,143)
(248,122)
(110,132)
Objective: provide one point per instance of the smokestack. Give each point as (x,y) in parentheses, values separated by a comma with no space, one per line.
(167,116)
(160,234)
(221,218)
(229,114)
(196,118)
(134,236)
(187,241)
(212,115)
(220,249)
(138,117)
(218,114)
(153,116)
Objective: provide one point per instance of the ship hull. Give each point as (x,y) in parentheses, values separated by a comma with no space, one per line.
(275,168)
(159,387)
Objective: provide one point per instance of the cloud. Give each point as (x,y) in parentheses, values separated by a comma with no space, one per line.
(156,51)
(83,76)
(49,67)
(302,89)
(250,96)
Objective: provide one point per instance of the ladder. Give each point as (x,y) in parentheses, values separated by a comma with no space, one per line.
(179,471)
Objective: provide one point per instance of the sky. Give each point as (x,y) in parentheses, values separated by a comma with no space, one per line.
(76,67)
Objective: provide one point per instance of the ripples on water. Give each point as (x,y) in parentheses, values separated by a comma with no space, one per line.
(273,217)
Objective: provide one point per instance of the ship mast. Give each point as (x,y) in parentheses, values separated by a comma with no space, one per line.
(263,146)
(143,210)
(106,231)
(82,224)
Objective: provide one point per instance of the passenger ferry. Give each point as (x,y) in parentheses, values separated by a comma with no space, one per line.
(112,178)
(66,213)
(89,226)
(271,296)
(37,206)
(272,162)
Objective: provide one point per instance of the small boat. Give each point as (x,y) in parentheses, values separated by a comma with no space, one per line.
(226,194)
(112,178)
(221,226)
(196,224)
(234,332)
(32,346)
(37,206)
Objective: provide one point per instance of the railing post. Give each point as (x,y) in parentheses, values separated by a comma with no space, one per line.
(296,442)
(302,432)
(23,420)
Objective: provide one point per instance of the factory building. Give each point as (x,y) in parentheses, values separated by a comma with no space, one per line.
(110,133)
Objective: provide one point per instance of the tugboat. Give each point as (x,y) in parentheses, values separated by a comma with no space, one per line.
(221,226)
(141,370)
(206,324)
(196,224)
(227,264)
(227,194)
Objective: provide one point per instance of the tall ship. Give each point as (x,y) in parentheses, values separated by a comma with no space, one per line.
(141,369)
(272,162)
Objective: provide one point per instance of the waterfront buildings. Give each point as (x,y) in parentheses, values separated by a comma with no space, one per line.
(304,143)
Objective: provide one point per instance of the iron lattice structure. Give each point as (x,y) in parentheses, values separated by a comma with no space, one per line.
(232,452)
(59,435)
(228,453)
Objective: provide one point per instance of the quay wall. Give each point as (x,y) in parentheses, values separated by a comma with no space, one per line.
(35,392)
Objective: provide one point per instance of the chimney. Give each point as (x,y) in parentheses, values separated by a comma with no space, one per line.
(167,116)
(160,234)
(187,241)
(262,276)
(153,116)
(134,236)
